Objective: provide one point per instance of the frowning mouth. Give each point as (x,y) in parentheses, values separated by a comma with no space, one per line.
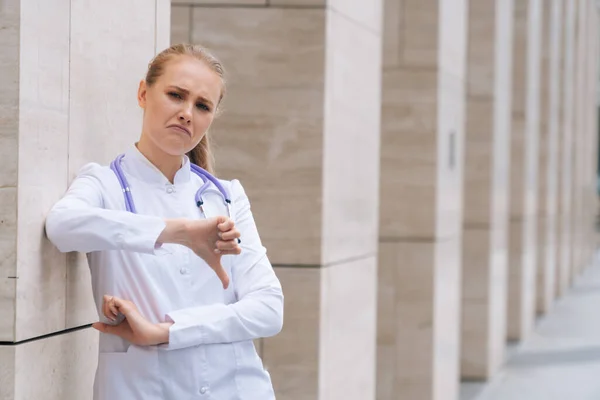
(181,129)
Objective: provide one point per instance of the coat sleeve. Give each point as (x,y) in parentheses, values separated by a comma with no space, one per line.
(258,311)
(79,221)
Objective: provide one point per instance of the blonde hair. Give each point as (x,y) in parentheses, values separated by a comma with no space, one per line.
(200,155)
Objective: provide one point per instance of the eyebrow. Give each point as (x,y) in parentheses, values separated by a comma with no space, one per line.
(187,92)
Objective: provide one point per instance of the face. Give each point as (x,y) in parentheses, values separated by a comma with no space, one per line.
(180,106)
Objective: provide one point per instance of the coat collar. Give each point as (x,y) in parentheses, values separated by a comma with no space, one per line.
(137,165)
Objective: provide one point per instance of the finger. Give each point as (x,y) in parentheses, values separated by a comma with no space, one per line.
(220,271)
(234,252)
(112,307)
(223,245)
(226,225)
(106,307)
(230,235)
(102,327)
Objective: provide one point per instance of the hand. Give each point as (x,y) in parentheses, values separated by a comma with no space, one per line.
(210,239)
(135,328)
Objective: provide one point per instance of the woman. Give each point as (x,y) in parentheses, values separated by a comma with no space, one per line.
(181,286)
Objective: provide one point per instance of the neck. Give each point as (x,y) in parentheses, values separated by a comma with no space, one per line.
(166,163)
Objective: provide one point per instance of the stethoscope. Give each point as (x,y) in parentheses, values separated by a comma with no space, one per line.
(206,177)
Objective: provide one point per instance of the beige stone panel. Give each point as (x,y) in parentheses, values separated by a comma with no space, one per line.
(98,53)
(481,71)
(408,154)
(292,356)
(546,233)
(392,33)
(484,288)
(7,372)
(524,169)
(9,94)
(162,35)
(9,128)
(348,329)
(81,309)
(275,148)
(221,2)
(254,45)
(422,136)
(487,154)
(521,287)
(59,367)
(488,119)
(301,3)
(350,210)
(325,317)
(367,14)
(420,29)
(43,141)
(8,262)
(425,345)
(386,321)
(180,24)
(566,150)
(479,151)
(275,145)
(105,121)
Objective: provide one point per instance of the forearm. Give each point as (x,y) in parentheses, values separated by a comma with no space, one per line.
(87,229)
(248,319)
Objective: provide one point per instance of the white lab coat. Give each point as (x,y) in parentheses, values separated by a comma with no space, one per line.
(210,354)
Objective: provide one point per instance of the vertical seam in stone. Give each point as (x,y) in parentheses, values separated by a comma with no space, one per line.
(191,23)
(66,259)
(155,26)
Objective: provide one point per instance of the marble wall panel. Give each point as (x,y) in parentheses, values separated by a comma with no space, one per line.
(275,145)
(351,141)
(347,348)
(9,142)
(292,356)
(222,2)
(181,28)
(367,14)
(43,143)
(61,367)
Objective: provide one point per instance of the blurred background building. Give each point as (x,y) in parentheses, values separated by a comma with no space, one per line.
(423,173)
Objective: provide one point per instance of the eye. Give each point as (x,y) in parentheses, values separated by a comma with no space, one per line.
(175,95)
(203,106)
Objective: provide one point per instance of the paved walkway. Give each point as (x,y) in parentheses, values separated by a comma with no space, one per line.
(561,360)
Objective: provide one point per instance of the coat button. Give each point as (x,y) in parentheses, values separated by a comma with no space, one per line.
(170,189)
(203,389)
(183,271)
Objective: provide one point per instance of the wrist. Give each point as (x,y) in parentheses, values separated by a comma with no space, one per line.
(176,231)
(163,329)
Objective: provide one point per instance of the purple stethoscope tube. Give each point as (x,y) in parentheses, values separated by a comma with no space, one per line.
(206,177)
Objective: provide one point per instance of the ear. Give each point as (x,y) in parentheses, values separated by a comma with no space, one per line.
(142,91)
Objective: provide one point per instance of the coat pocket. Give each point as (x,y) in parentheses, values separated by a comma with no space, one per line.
(131,375)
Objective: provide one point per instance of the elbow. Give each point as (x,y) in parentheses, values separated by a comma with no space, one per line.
(54,233)
(276,321)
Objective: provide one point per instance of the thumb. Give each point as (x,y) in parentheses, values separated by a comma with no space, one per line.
(220,271)
(102,327)
(220,219)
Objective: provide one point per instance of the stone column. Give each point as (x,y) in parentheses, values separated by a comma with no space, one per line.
(580,220)
(592,124)
(566,160)
(421,199)
(548,147)
(524,168)
(300,129)
(67,97)
(487,146)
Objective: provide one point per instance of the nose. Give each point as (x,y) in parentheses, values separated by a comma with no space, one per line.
(185,115)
